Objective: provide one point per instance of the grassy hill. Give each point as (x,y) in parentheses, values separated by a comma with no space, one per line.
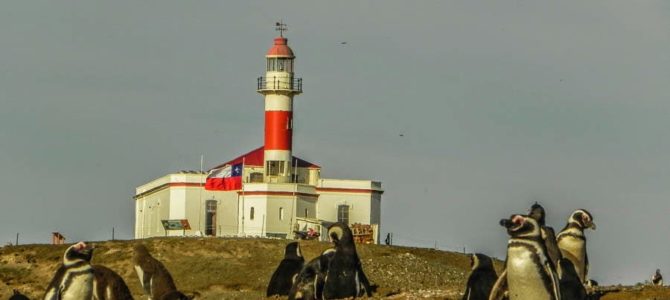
(241,268)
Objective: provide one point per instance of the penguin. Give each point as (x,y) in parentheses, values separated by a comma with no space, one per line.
(572,242)
(548,235)
(155,279)
(345,277)
(481,279)
(308,284)
(571,287)
(108,285)
(18,296)
(74,278)
(657,279)
(282,278)
(528,273)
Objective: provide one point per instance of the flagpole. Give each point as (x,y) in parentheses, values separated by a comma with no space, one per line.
(200,201)
(243,208)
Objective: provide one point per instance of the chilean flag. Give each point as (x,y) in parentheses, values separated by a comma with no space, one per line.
(227,178)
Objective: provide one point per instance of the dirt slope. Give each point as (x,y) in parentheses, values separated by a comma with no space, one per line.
(240,268)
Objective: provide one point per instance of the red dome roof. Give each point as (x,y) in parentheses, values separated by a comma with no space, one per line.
(281,48)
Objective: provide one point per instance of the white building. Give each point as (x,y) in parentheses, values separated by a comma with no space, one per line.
(280,193)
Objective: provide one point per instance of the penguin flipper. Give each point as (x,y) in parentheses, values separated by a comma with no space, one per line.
(364,281)
(586,265)
(549,269)
(550,243)
(500,287)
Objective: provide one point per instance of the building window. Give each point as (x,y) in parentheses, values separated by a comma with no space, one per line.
(251,214)
(306,212)
(210,217)
(256,177)
(281,213)
(275,167)
(343,214)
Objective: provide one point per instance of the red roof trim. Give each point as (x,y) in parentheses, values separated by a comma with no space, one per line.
(343,190)
(263,193)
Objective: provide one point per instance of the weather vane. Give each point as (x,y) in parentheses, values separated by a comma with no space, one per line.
(281,27)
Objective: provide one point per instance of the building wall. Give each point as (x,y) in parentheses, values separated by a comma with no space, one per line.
(359,206)
(152,209)
(227,216)
(181,196)
(275,224)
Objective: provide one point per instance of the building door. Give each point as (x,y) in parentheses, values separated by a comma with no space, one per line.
(210,218)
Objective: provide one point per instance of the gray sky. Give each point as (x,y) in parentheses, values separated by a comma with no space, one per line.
(501,103)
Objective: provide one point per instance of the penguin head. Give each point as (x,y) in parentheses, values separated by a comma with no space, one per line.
(77,253)
(480,261)
(537,212)
(340,235)
(521,226)
(583,219)
(292,251)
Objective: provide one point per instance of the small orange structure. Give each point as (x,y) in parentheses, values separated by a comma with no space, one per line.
(363,233)
(57,238)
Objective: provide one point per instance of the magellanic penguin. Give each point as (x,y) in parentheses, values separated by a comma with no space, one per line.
(528,273)
(308,284)
(289,267)
(345,277)
(572,242)
(155,279)
(548,236)
(74,278)
(108,285)
(481,279)
(571,287)
(18,296)
(657,279)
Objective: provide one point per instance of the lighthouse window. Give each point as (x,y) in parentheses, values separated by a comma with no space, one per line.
(343,214)
(281,213)
(251,213)
(280,65)
(272,64)
(275,167)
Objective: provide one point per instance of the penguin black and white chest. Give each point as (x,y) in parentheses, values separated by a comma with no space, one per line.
(155,279)
(108,285)
(538,213)
(529,274)
(345,277)
(290,266)
(572,241)
(481,279)
(74,279)
(571,286)
(657,279)
(308,284)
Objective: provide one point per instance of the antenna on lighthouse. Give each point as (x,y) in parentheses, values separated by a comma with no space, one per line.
(281,27)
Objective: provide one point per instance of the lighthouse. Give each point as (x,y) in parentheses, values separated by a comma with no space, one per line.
(278,86)
(265,192)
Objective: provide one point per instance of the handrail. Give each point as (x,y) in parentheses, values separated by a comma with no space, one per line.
(280,84)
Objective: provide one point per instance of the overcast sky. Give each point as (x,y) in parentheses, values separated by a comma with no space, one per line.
(501,103)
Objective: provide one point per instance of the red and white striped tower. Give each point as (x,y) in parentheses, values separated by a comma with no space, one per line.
(279,86)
